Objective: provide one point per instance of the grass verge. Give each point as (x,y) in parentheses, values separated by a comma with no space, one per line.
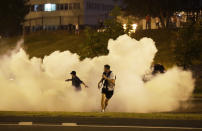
(170,116)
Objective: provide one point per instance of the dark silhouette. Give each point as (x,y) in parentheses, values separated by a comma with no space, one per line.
(148,22)
(158,68)
(76,82)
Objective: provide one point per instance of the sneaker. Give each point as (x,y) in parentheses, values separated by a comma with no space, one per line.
(103,110)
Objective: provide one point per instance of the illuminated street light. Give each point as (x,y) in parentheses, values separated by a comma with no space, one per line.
(134,26)
(124,26)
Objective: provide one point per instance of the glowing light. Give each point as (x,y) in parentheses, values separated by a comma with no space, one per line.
(134,26)
(180,14)
(50,7)
(36,7)
(124,26)
(47,7)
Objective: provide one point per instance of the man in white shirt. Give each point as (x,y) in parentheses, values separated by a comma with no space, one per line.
(77,29)
(108,85)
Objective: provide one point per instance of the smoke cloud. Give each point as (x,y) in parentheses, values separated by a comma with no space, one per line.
(39,84)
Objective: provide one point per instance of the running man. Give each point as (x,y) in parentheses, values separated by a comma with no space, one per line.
(108,83)
(76,82)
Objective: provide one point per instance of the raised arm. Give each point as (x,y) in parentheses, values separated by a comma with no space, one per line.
(68,80)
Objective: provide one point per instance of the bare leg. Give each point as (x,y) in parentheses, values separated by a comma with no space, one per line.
(106,103)
(103,101)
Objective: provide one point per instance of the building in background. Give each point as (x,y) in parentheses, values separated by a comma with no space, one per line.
(65,14)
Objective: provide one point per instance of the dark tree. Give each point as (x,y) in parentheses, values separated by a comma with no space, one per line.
(12,14)
(159,8)
(188,45)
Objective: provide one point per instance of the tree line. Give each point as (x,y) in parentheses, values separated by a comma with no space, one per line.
(12,14)
(163,9)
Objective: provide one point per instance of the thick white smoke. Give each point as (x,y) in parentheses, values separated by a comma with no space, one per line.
(39,84)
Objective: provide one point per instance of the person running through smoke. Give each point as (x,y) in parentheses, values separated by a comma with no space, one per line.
(107,83)
(76,81)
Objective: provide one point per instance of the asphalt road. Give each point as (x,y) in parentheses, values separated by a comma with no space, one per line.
(90,128)
(95,124)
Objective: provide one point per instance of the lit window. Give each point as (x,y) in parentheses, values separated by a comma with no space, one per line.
(53,7)
(36,7)
(50,7)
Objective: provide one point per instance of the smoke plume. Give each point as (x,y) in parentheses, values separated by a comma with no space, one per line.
(39,84)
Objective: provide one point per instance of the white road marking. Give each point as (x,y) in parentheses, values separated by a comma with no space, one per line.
(25,123)
(69,124)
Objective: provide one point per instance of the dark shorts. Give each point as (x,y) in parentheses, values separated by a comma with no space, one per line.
(78,88)
(108,93)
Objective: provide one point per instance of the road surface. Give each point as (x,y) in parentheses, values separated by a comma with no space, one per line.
(95,124)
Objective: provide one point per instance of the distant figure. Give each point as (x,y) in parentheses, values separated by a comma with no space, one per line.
(158,68)
(100,24)
(178,22)
(193,19)
(76,82)
(77,29)
(174,21)
(148,22)
(108,85)
(157,22)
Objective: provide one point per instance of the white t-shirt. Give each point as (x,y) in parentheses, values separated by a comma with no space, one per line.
(77,27)
(111,86)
